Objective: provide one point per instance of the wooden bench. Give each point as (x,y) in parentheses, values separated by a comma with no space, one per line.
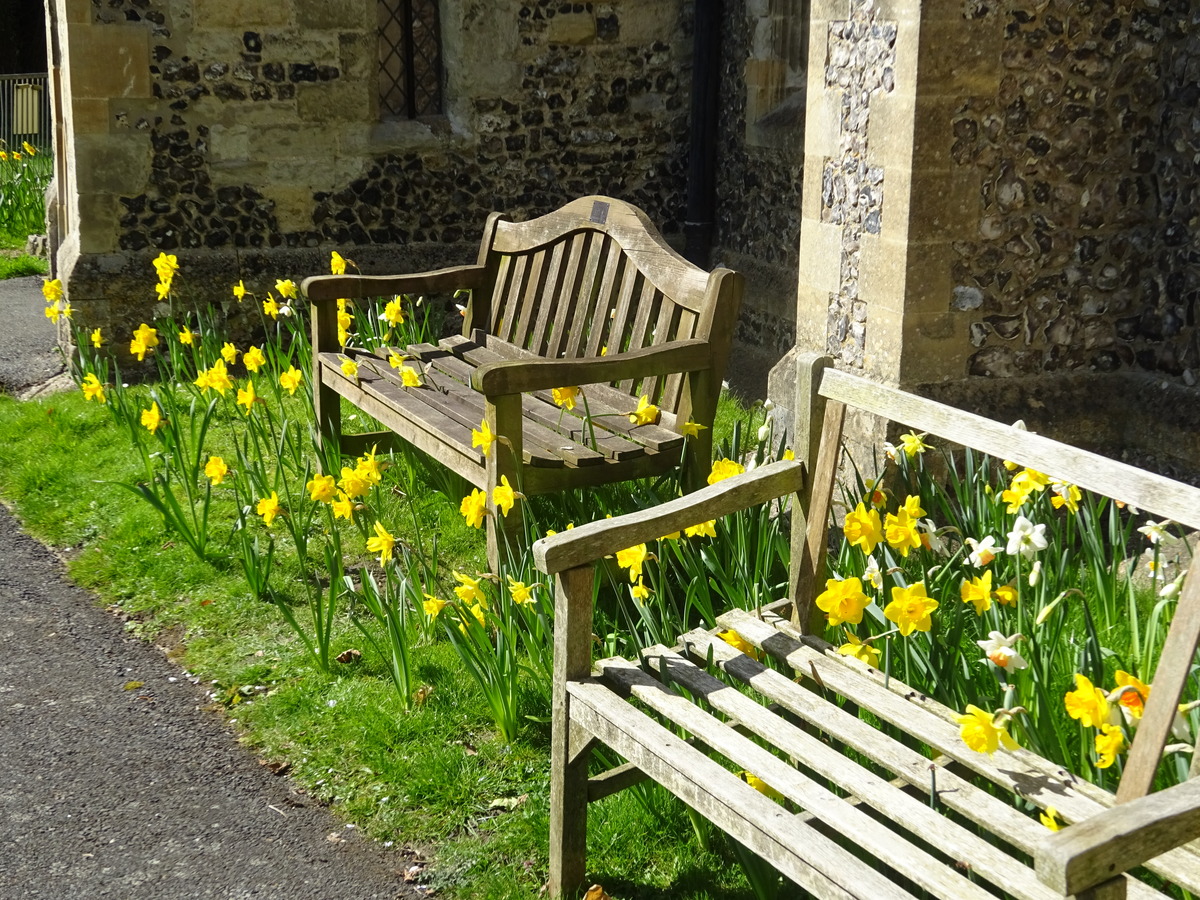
(590,296)
(860,833)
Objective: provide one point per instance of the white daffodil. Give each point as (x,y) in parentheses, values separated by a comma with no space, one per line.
(999,650)
(983,551)
(1035,573)
(1155,531)
(930,538)
(872,574)
(1026,538)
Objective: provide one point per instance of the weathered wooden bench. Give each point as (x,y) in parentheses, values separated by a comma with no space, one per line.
(589,296)
(859,833)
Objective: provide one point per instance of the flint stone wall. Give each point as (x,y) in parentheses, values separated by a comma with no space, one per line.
(1084,253)
(243,136)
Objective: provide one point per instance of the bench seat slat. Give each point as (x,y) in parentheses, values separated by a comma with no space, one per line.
(984,858)
(541,409)
(732,805)
(890,847)
(610,409)
(1021,771)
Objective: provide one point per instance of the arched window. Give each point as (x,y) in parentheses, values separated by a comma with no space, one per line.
(410,59)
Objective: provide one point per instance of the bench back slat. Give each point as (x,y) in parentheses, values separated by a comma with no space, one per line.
(1091,471)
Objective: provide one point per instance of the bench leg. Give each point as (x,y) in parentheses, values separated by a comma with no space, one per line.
(569,753)
(327,409)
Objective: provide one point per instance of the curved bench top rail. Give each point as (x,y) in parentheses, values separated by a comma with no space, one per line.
(628,226)
(1148,492)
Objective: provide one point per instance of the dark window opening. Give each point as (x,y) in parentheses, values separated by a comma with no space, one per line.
(410,59)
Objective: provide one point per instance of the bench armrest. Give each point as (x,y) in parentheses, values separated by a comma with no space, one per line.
(1119,838)
(324,288)
(601,538)
(516,376)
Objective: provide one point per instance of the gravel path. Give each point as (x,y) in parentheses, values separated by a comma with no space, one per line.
(113,791)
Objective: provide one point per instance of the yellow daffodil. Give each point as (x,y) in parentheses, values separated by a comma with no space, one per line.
(639,592)
(1065,494)
(246,397)
(474,508)
(632,558)
(349,367)
(1049,818)
(343,506)
(646,413)
(52,290)
(271,307)
(229,352)
(476,612)
(344,321)
(759,785)
(215,377)
(269,508)
(564,396)
(409,377)
(901,532)
(1131,694)
(860,650)
(504,496)
(393,312)
(1087,703)
(92,388)
(981,732)
(166,266)
(152,418)
(1006,594)
(239,291)
(371,466)
(1109,742)
(913,444)
(395,360)
(187,337)
(53,312)
(433,606)
(97,338)
(144,340)
(978,591)
(843,600)
(468,590)
(291,379)
(162,290)
(739,643)
(286,288)
(483,438)
(521,593)
(337,263)
(383,544)
(704,529)
(29,148)
(724,468)
(788,454)
(215,469)
(355,482)
(910,608)
(912,506)
(863,528)
(690,429)
(254,359)
(322,488)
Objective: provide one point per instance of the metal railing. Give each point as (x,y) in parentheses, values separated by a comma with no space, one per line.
(25,111)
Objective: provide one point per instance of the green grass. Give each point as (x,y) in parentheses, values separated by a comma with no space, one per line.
(17,267)
(435,779)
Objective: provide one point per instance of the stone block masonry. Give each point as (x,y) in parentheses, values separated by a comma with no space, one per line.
(245,136)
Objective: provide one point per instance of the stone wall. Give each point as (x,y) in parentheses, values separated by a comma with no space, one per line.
(1083,254)
(760,158)
(244,136)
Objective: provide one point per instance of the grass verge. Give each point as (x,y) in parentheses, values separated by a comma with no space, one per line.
(19,266)
(436,782)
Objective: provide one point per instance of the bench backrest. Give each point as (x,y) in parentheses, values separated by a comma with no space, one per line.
(819,430)
(596,278)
